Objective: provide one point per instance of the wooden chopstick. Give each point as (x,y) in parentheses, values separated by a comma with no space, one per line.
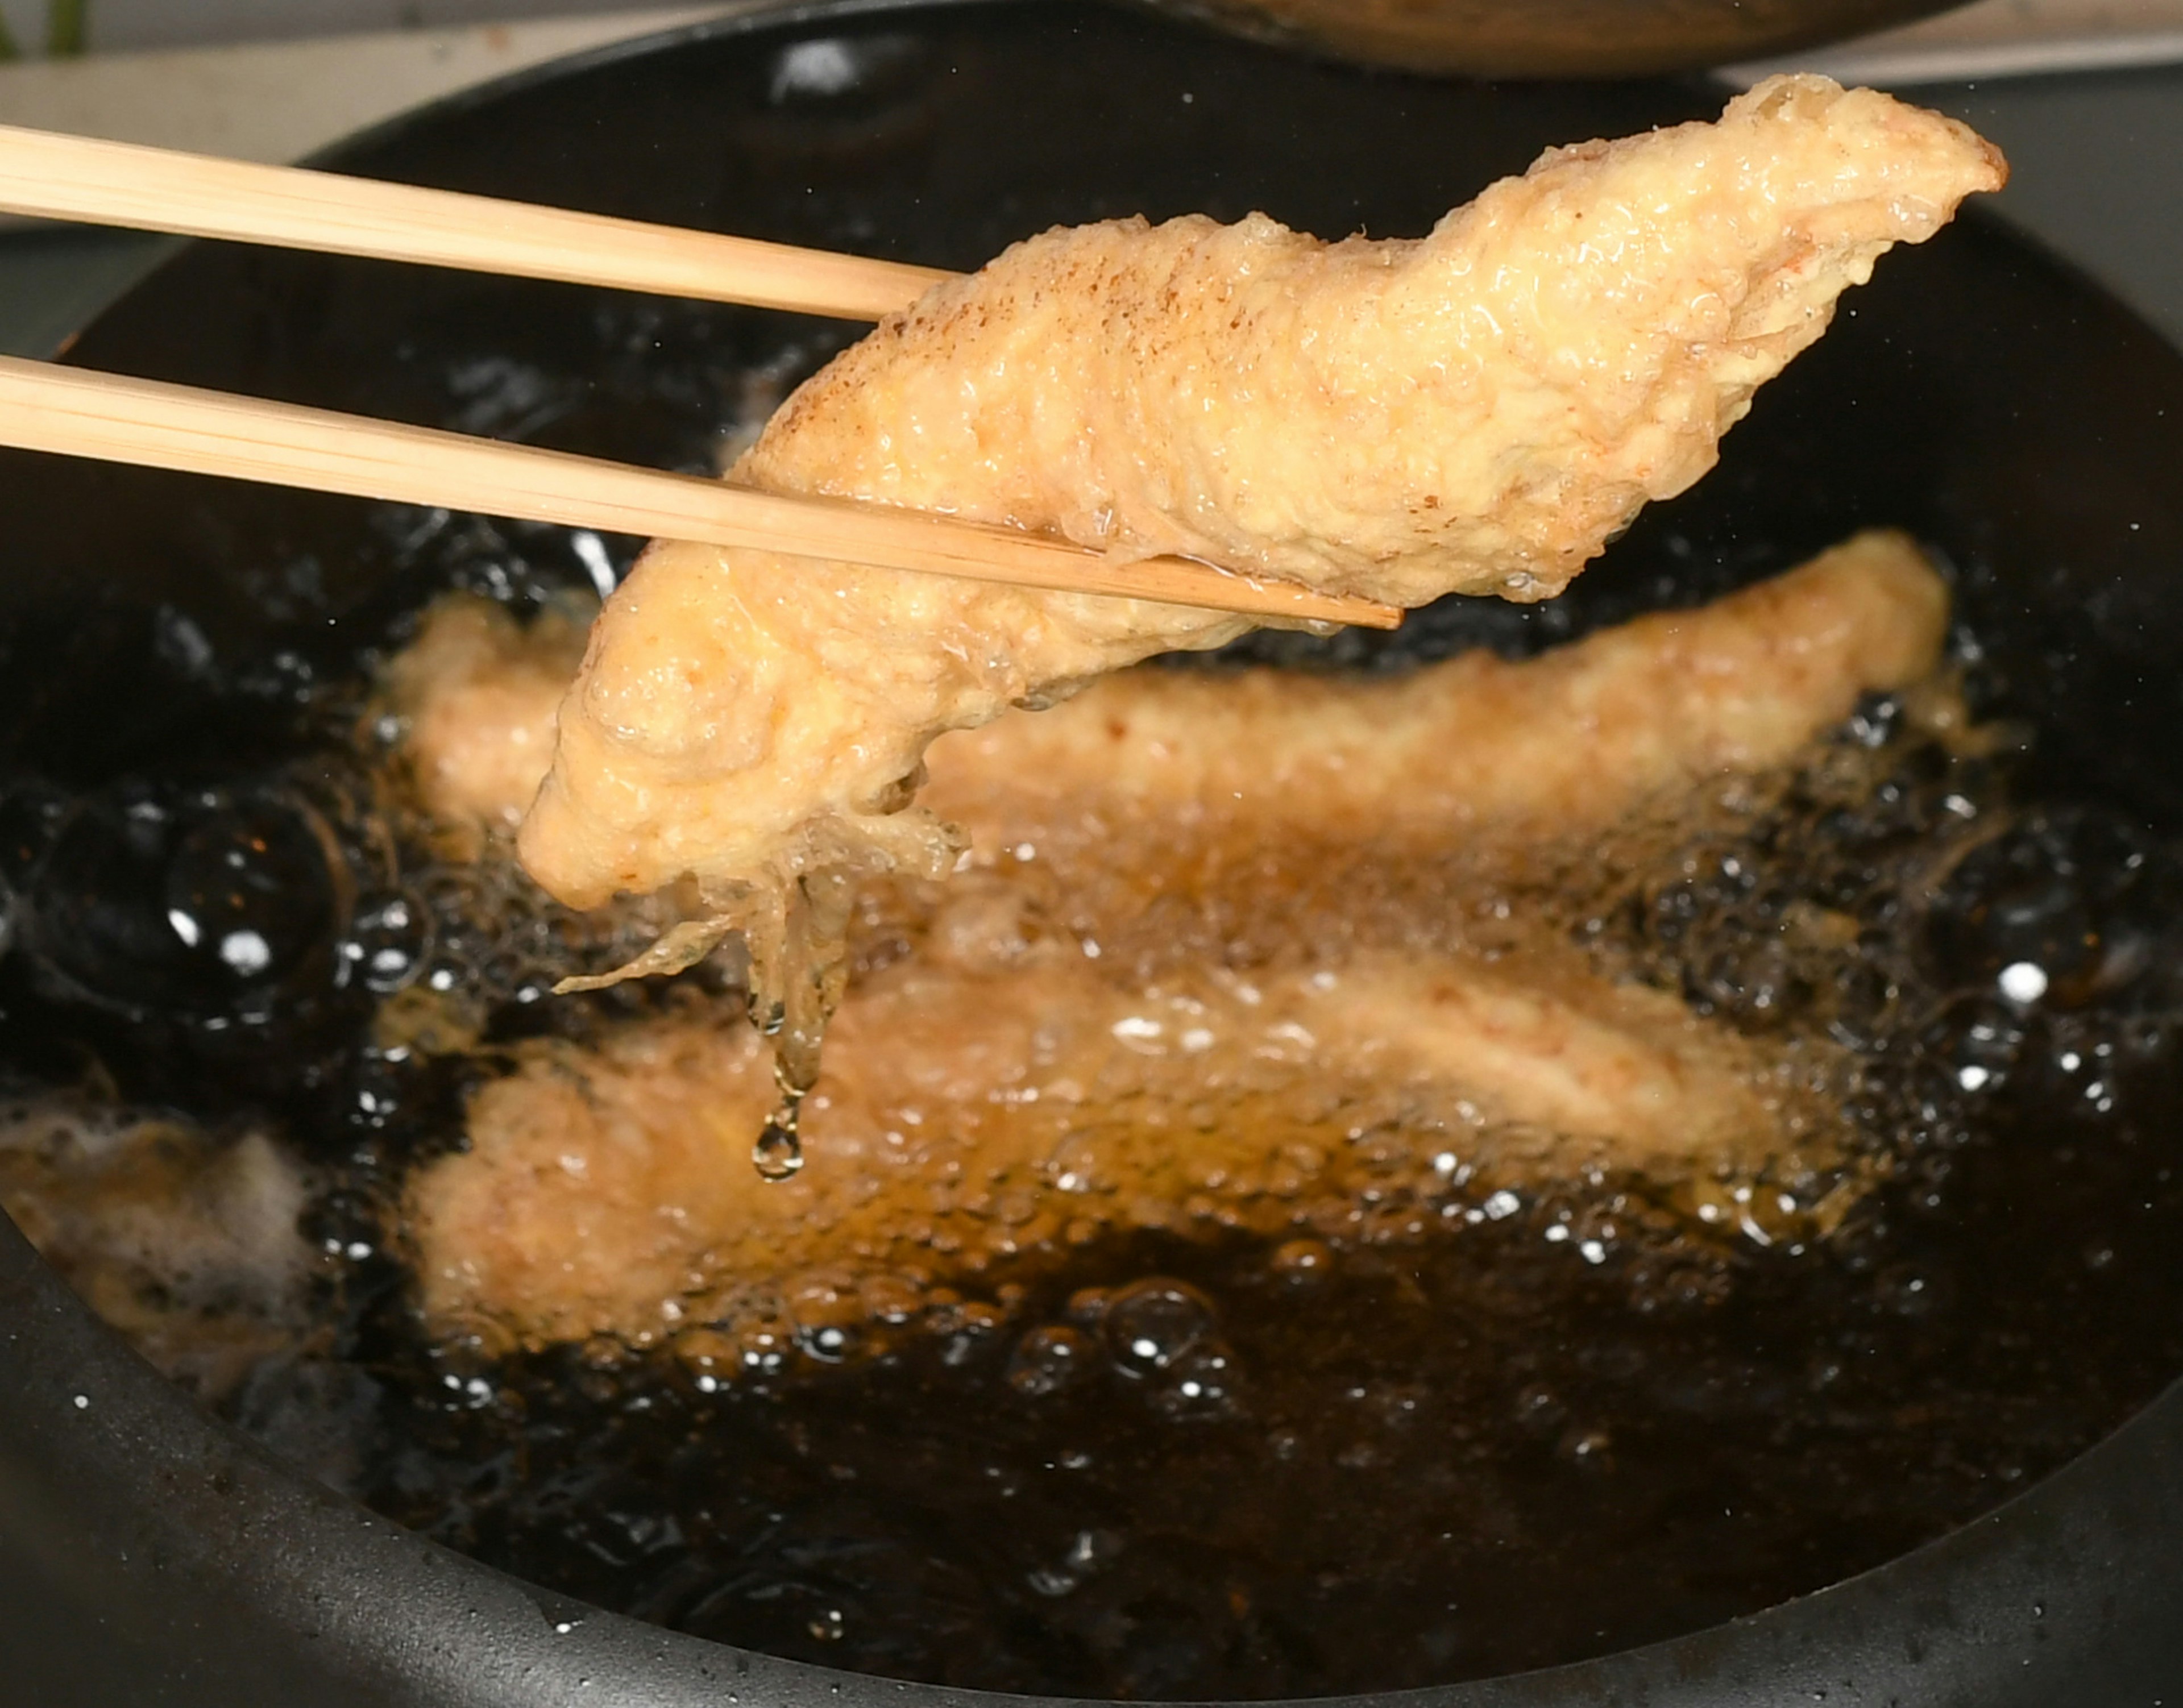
(55,177)
(45,407)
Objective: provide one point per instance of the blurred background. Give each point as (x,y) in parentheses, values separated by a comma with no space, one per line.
(37,28)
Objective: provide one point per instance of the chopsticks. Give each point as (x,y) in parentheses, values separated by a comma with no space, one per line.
(51,176)
(45,407)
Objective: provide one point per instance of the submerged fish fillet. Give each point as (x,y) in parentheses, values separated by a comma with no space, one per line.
(1478,410)
(968,1114)
(185,1240)
(477,694)
(1003,1089)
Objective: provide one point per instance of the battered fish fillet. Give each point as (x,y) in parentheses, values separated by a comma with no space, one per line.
(1472,748)
(477,696)
(1003,1090)
(972,1113)
(1479,410)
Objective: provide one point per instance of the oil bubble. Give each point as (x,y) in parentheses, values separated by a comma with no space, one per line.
(2063,907)
(1302,1260)
(388,941)
(1152,1324)
(201,903)
(830,1342)
(1200,1384)
(1049,1359)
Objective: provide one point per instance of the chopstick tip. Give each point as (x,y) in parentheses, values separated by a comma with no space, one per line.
(1288,598)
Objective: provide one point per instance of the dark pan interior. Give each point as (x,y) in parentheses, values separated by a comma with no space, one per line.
(1977,393)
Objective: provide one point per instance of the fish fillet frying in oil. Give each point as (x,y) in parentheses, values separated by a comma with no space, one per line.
(1004,1090)
(478,697)
(1473,749)
(1479,410)
(970,1114)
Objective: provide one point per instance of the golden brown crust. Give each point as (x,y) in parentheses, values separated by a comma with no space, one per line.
(477,693)
(1474,749)
(1476,410)
(968,1116)
(1471,747)
(1015,1083)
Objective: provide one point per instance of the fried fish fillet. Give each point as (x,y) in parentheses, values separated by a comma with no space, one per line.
(1008,1084)
(1472,748)
(972,1113)
(1478,410)
(185,1240)
(477,696)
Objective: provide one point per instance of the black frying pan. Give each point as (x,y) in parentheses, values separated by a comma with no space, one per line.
(1556,38)
(1981,396)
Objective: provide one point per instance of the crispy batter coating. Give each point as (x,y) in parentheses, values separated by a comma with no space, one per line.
(1472,749)
(184,1240)
(968,1114)
(1475,750)
(478,694)
(1011,1086)
(1478,410)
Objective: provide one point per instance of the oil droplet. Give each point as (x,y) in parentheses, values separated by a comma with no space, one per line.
(779,1153)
